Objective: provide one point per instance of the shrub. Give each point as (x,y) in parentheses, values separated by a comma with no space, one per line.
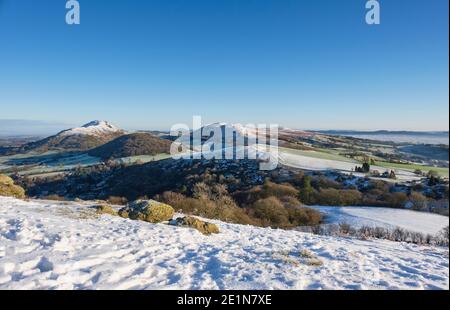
(395,200)
(271,212)
(439,206)
(366,232)
(378,185)
(202,191)
(9,189)
(214,192)
(290,201)
(399,234)
(282,210)
(334,197)
(306,192)
(443,237)
(344,228)
(223,208)
(54,198)
(297,178)
(270,189)
(419,201)
(299,216)
(171,198)
(325,182)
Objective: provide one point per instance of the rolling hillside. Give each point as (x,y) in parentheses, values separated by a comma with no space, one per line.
(132,145)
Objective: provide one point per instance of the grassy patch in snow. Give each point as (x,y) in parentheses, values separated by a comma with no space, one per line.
(143,158)
(304,257)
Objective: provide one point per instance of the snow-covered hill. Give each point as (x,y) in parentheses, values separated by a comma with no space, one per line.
(49,245)
(94,128)
(82,138)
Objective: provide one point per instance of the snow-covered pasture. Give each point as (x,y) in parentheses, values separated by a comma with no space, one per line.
(421,222)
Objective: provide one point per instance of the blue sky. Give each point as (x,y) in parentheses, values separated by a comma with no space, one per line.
(299,63)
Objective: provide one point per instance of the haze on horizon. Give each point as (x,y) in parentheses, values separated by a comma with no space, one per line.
(11,127)
(301,64)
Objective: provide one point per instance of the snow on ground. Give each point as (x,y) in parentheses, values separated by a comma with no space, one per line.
(313,163)
(318,164)
(291,158)
(51,245)
(426,223)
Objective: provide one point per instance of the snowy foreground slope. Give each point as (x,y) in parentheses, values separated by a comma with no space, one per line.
(47,245)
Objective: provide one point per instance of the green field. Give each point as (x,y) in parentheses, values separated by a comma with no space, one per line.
(322,154)
(411,167)
(63,165)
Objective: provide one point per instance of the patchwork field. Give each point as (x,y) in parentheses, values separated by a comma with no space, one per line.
(53,163)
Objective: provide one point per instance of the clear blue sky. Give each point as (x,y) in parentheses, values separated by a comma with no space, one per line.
(300,63)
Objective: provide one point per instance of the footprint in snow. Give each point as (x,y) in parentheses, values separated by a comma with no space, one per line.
(44,265)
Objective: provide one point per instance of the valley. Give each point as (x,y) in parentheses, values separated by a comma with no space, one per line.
(51,165)
(318,177)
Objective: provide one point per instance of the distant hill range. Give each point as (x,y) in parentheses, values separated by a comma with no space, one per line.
(81,138)
(384,132)
(134,144)
(414,137)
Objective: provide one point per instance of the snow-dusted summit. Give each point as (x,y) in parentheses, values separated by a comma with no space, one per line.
(94,128)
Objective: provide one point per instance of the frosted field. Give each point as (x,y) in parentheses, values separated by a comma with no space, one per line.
(300,161)
(49,245)
(426,223)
